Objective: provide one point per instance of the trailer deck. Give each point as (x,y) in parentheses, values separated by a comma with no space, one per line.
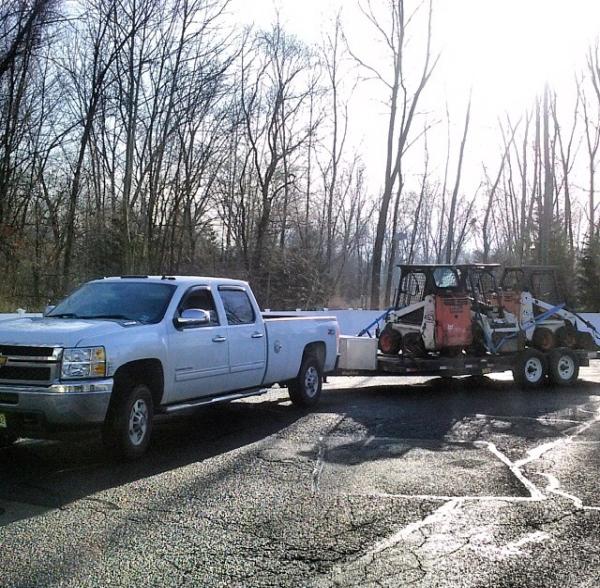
(463,365)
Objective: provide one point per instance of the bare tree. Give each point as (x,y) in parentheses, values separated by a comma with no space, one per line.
(453,200)
(392,29)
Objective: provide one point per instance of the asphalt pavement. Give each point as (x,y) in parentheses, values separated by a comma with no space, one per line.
(468,482)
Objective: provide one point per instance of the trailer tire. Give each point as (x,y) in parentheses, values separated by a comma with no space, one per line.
(543,339)
(530,369)
(563,367)
(390,341)
(128,426)
(305,389)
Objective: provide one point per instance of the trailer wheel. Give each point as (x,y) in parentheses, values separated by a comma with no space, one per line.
(530,369)
(543,339)
(563,368)
(390,341)
(305,389)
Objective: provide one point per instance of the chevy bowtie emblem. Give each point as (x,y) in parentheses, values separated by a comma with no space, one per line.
(3,360)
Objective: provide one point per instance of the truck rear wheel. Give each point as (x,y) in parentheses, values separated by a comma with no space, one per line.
(530,369)
(305,389)
(563,367)
(128,426)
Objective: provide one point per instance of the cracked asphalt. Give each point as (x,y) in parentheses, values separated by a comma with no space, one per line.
(388,482)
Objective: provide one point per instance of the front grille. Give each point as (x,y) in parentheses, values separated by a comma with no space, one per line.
(23,351)
(9,398)
(16,373)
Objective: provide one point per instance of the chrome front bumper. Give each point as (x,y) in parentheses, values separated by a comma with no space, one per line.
(72,404)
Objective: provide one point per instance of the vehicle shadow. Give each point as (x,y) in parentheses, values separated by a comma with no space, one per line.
(375,422)
(41,475)
(440,414)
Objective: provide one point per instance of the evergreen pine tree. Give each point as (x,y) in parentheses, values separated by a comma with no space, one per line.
(588,275)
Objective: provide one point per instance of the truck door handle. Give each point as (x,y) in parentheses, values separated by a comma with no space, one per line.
(219,339)
(257,335)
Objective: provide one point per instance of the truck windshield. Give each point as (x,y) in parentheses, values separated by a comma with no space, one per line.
(134,301)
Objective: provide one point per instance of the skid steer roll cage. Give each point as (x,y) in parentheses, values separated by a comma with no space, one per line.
(530,278)
(437,278)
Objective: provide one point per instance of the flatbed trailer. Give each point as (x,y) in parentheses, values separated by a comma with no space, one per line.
(529,366)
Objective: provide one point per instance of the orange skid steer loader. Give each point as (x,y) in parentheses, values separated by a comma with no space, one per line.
(431,313)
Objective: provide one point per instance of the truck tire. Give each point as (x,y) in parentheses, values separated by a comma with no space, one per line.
(128,425)
(530,369)
(305,389)
(563,367)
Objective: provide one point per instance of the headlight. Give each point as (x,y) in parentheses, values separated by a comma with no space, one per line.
(83,362)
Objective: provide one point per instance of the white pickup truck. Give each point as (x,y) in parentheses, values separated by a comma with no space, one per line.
(119,350)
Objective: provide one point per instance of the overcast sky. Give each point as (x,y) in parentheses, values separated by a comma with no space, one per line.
(505,50)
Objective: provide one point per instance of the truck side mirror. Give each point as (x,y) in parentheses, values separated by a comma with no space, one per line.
(192,317)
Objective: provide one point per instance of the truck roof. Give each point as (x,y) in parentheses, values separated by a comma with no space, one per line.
(176,280)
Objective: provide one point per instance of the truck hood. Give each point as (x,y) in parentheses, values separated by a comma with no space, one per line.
(40,331)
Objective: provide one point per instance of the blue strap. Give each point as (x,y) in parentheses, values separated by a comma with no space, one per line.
(534,321)
(367,329)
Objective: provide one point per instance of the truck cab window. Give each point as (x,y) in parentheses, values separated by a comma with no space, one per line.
(238,308)
(202,299)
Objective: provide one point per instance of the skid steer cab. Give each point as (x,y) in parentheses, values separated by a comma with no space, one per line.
(431,313)
(495,328)
(532,293)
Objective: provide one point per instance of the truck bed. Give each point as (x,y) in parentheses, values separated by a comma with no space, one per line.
(287,336)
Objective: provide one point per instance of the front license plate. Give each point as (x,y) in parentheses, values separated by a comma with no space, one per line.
(486,370)
(3,424)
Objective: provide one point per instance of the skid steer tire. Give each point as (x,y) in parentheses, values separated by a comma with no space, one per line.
(543,339)
(390,341)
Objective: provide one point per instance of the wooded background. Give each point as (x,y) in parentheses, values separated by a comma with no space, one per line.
(152,136)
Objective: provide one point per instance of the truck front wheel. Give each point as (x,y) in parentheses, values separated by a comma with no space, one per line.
(128,426)
(305,389)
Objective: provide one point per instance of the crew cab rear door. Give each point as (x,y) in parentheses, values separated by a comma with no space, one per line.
(247,338)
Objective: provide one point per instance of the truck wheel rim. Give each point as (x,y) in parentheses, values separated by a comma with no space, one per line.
(311,381)
(533,369)
(138,422)
(566,367)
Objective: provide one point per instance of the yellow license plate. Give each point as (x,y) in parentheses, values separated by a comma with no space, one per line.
(3,424)
(486,371)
